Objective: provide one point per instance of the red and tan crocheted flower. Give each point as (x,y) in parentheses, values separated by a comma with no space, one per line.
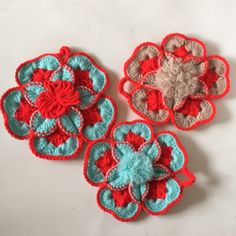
(136,170)
(58,104)
(176,81)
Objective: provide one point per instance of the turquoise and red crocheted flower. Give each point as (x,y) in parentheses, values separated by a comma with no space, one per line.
(136,170)
(175,81)
(58,104)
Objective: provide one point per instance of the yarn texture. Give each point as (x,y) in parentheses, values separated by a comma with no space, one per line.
(59,104)
(136,169)
(175,81)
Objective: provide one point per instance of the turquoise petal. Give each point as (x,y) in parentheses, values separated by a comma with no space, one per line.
(116,179)
(178,159)
(71,122)
(138,191)
(158,205)
(160,172)
(26,71)
(92,171)
(107,113)
(32,91)
(86,98)
(150,150)
(138,128)
(41,125)
(11,101)
(122,150)
(106,200)
(64,74)
(84,63)
(43,146)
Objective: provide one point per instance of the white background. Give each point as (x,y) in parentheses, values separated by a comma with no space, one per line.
(51,198)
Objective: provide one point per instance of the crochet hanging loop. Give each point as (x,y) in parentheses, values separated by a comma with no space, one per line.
(64,53)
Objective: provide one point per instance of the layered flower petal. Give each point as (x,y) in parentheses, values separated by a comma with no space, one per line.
(161,196)
(32,91)
(63,73)
(87,98)
(143,61)
(17,113)
(122,150)
(119,203)
(193,113)
(151,150)
(139,192)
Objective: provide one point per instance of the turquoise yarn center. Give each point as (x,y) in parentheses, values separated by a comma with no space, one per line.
(136,168)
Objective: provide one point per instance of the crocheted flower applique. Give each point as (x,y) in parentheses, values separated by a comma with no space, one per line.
(176,81)
(136,170)
(58,104)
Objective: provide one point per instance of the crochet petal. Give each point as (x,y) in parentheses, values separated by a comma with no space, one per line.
(149,104)
(161,172)
(143,61)
(140,128)
(116,179)
(29,70)
(217,77)
(98,161)
(63,73)
(122,150)
(193,113)
(32,91)
(56,146)
(173,155)
(182,46)
(118,203)
(87,98)
(161,196)
(72,122)
(42,126)
(13,104)
(138,192)
(151,150)
(97,75)
(97,125)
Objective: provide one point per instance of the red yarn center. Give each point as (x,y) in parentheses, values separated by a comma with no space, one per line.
(148,65)
(135,140)
(166,156)
(191,107)
(157,189)
(57,138)
(41,75)
(105,162)
(154,100)
(91,116)
(24,111)
(181,52)
(59,96)
(121,197)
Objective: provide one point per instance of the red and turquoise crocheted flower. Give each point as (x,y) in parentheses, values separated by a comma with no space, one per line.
(176,81)
(136,170)
(58,104)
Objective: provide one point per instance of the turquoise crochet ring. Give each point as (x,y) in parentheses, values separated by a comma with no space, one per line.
(136,169)
(59,104)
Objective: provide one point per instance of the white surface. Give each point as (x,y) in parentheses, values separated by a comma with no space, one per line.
(51,198)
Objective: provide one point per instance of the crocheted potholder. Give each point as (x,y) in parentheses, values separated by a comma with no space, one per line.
(58,104)
(136,170)
(175,81)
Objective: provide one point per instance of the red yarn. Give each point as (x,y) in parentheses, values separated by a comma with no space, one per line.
(157,189)
(59,96)
(105,162)
(165,157)
(82,79)
(148,65)
(154,100)
(210,78)
(41,75)
(181,52)
(91,116)
(191,107)
(121,197)
(58,137)
(24,111)
(134,139)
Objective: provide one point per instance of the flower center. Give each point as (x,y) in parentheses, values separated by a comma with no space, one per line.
(59,96)
(136,168)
